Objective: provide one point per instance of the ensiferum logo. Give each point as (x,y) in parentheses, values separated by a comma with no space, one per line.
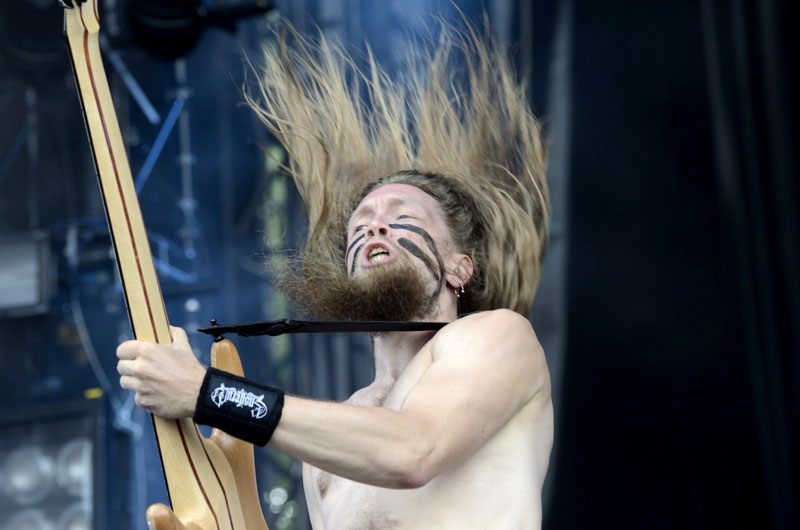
(241,398)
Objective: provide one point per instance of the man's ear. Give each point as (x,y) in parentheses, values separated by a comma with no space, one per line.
(459,275)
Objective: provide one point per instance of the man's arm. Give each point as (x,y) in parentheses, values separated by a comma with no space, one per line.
(486,368)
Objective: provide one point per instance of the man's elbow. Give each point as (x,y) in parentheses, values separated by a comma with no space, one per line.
(414,478)
(416,469)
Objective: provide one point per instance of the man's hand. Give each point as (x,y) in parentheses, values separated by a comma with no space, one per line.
(69,4)
(166,379)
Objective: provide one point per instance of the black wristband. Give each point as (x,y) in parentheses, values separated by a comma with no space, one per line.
(239,407)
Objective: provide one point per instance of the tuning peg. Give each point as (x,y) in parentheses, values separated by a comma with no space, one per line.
(68,4)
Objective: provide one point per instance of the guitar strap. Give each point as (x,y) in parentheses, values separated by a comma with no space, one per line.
(273,328)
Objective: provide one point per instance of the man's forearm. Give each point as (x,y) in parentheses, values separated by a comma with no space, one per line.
(372,445)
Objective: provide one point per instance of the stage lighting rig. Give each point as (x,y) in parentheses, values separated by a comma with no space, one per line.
(171,29)
(31,45)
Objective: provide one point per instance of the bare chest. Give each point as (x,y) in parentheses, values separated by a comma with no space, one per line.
(493,490)
(347,504)
(352,505)
(498,487)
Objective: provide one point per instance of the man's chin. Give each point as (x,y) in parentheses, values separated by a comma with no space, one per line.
(388,292)
(394,290)
(385,292)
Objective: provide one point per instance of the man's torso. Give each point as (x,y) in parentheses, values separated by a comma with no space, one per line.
(497,487)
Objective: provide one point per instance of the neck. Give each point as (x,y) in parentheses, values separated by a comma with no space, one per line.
(394,351)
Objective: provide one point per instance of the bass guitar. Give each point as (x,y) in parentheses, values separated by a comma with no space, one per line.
(211,481)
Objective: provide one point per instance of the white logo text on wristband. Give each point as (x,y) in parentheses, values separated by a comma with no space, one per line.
(241,398)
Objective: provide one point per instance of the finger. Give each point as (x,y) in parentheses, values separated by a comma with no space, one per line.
(128,383)
(179,336)
(127,350)
(140,401)
(125,367)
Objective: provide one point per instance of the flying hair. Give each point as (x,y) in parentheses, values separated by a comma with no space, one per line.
(456,123)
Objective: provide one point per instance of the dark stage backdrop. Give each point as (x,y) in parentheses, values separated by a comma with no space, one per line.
(678,405)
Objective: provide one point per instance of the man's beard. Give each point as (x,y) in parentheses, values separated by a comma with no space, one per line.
(395,291)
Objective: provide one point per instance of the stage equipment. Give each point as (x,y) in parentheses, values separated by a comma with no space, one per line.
(170,29)
(28,44)
(51,461)
(27,275)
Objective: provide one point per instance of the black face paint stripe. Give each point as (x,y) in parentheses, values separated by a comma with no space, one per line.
(355,241)
(355,259)
(417,252)
(428,241)
(417,230)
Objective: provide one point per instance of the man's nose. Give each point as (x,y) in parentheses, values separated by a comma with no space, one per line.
(378,227)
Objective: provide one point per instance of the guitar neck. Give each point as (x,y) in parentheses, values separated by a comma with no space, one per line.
(139,279)
(178,441)
(211,482)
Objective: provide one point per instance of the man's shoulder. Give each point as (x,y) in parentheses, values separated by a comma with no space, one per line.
(502,338)
(491,325)
(505,318)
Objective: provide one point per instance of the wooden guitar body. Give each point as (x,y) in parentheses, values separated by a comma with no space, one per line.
(211,481)
(233,466)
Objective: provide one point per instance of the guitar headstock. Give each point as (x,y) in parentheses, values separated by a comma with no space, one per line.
(83,10)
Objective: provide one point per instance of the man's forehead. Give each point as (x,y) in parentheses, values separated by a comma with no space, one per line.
(396,194)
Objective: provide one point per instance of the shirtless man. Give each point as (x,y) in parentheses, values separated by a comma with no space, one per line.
(457,427)
(455,431)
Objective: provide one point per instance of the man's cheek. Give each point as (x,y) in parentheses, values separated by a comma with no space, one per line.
(355,259)
(417,252)
(350,247)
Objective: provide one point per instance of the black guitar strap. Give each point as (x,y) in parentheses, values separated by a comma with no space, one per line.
(274,328)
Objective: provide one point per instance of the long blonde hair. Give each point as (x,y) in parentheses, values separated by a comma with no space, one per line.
(467,123)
